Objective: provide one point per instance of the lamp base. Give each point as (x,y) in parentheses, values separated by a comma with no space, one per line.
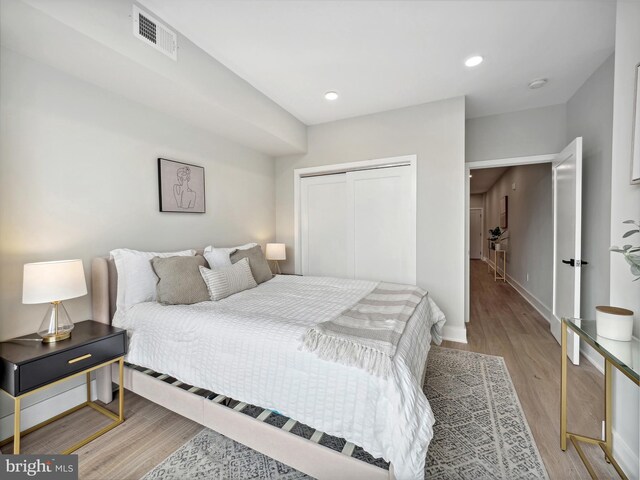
(56,325)
(55,337)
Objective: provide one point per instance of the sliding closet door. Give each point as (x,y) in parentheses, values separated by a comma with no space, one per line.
(323,206)
(382,221)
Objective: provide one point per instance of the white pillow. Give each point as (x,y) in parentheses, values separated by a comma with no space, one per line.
(136,278)
(228,280)
(219,257)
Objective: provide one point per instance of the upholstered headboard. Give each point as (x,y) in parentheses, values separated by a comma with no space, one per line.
(104,282)
(104,287)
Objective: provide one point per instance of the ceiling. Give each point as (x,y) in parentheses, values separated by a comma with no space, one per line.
(381,55)
(484,178)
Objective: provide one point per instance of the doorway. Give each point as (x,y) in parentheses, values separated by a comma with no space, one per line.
(526,228)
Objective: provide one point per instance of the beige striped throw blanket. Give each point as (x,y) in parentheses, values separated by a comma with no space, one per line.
(366,335)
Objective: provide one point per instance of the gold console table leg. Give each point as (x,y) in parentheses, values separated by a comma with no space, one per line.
(608,421)
(563,389)
(605,444)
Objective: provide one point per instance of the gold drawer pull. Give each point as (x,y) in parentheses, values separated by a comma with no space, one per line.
(78,359)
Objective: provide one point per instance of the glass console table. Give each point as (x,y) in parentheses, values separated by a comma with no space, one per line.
(624,356)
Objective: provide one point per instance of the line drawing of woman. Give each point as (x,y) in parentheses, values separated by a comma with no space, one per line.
(185,197)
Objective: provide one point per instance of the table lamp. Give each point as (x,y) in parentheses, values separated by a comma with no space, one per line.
(53,282)
(275,252)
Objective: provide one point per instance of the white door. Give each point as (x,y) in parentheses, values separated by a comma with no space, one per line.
(567,219)
(475,233)
(323,203)
(382,219)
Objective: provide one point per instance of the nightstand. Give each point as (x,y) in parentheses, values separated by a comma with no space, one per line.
(28,366)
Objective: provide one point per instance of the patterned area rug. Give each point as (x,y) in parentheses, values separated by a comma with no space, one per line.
(480,432)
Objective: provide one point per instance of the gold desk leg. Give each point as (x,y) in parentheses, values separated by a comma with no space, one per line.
(88,386)
(563,389)
(16,426)
(608,407)
(121,390)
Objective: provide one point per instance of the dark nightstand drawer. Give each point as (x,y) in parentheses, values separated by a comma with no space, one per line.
(53,367)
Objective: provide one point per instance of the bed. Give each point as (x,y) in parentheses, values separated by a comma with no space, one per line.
(247,347)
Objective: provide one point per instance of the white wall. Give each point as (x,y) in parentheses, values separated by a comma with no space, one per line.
(476,200)
(590,116)
(93,41)
(435,133)
(625,204)
(519,134)
(79,178)
(530,227)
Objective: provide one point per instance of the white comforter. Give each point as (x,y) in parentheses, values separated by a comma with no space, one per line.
(247,347)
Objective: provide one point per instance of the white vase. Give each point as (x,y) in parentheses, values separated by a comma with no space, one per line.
(498,246)
(614,323)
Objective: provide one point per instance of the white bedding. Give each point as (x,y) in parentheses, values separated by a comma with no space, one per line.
(247,347)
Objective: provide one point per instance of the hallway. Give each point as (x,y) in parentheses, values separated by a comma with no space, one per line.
(503,323)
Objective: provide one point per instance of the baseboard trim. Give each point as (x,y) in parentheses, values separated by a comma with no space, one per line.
(47,408)
(534,301)
(626,457)
(454,334)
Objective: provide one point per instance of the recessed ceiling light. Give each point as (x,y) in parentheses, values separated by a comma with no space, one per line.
(331,95)
(473,61)
(538,83)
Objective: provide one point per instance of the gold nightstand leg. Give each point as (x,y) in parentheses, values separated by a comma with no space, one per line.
(121,390)
(117,419)
(16,426)
(563,389)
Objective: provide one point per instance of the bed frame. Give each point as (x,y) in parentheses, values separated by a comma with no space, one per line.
(300,453)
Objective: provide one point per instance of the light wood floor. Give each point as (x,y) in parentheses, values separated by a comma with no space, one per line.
(502,323)
(505,324)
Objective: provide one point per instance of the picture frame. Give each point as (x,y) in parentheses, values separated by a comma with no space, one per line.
(635,145)
(504,212)
(181,187)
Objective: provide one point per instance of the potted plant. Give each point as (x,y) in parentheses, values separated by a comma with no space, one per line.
(496,235)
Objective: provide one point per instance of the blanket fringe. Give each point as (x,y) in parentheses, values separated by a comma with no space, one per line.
(344,351)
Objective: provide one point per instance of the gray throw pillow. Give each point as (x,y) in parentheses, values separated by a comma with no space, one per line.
(258,263)
(180,282)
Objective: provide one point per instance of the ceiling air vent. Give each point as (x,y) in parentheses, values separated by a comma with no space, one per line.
(151,31)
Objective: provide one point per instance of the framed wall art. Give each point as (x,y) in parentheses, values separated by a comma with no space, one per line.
(504,212)
(181,187)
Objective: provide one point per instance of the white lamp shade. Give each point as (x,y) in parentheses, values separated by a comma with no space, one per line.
(45,282)
(276,251)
